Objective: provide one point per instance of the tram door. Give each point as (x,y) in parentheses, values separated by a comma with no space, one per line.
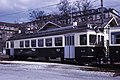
(69,49)
(12,49)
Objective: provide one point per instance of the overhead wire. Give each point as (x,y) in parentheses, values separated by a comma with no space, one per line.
(19,12)
(4,15)
(26,10)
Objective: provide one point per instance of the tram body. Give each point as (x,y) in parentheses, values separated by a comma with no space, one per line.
(114,44)
(81,44)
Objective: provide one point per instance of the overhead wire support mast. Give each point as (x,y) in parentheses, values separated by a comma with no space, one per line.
(102,13)
(102,23)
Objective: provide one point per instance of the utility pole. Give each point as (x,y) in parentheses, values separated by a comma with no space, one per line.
(102,22)
(71,16)
(102,14)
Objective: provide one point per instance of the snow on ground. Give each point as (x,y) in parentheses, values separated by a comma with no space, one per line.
(56,70)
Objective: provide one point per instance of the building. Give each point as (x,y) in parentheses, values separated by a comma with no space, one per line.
(7,30)
(91,16)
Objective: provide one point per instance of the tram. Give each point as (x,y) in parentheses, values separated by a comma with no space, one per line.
(77,43)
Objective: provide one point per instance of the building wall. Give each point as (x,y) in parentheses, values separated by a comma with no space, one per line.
(90,15)
(5,33)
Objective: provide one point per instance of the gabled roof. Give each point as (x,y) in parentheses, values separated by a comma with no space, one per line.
(111,21)
(51,32)
(49,25)
(108,21)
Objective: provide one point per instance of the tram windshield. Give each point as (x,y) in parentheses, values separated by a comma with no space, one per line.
(92,39)
(83,39)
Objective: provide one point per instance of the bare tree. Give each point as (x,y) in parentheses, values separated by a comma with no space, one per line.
(83,5)
(64,7)
(78,5)
(86,5)
(35,14)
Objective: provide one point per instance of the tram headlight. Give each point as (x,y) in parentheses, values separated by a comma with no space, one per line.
(33,49)
(117,52)
(58,50)
(92,50)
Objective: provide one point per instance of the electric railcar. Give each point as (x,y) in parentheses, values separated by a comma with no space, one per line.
(114,44)
(77,43)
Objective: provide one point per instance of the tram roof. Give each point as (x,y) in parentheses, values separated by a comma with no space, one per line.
(56,31)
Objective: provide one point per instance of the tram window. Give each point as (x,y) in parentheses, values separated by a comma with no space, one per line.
(58,41)
(99,41)
(33,43)
(21,43)
(102,40)
(12,44)
(72,40)
(117,39)
(40,42)
(7,45)
(48,41)
(67,41)
(92,39)
(112,39)
(83,39)
(27,43)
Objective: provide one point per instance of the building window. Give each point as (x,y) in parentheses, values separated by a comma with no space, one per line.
(11,32)
(27,43)
(11,28)
(12,44)
(83,39)
(106,15)
(7,28)
(98,16)
(48,41)
(94,17)
(21,43)
(92,39)
(0,36)
(58,41)
(33,43)
(40,42)
(90,18)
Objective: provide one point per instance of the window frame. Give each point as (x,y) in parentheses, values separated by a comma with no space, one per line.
(21,44)
(12,44)
(33,44)
(48,42)
(92,39)
(7,45)
(59,42)
(85,41)
(27,43)
(40,42)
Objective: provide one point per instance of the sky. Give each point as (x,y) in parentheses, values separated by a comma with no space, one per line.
(18,10)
